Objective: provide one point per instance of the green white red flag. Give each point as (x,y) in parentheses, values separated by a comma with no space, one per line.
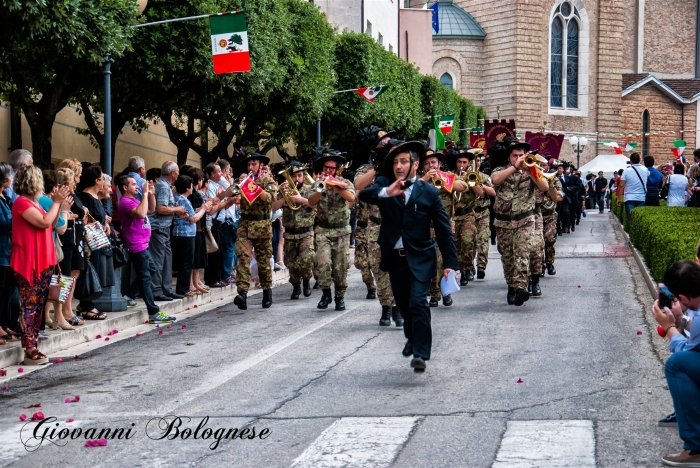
(630,146)
(370,93)
(614,146)
(446,123)
(678,148)
(229,43)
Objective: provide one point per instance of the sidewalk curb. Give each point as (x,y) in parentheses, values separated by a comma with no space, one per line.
(651,284)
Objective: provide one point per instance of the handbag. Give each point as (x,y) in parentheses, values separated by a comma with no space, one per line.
(58,247)
(209,241)
(60,286)
(120,256)
(94,235)
(663,194)
(88,287)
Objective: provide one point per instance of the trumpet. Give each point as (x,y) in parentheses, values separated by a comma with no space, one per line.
(343,168)
(291,191)
(236,187)
(532,159)
(319,185)
(473,178)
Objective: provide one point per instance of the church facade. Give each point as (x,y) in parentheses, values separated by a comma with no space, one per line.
(610,70)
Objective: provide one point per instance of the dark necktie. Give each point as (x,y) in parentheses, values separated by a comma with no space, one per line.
(403,198)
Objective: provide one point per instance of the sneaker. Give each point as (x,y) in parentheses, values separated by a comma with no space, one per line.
(160,317)
(130,302)
(669,421)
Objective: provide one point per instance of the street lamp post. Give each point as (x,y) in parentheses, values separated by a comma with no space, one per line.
(107,156)
(578,144)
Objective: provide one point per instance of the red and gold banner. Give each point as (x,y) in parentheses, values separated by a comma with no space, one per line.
(546,144)
(477,140)
(250,190)
(448,180)
(498,130)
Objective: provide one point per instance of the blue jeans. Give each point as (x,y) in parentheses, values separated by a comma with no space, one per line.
(144,268)
(683,378)
(600,197)
(630,205)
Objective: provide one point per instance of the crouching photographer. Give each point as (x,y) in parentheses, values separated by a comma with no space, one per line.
(679,300)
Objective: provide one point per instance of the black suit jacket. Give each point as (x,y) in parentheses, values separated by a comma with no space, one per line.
(411,222)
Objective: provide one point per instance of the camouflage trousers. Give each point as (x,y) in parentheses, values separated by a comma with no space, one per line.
(537,247)
(299,258)
(384,292)
(550,237)
(263,254)
(515,246)
(362,245)
(332,261)
(483,234)
(435,290)
(465,238)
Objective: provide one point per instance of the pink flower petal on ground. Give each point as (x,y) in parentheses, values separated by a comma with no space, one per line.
(70,420)
(77,398)
(187,308)
(22,417)
(519,381)
(3,372)
(146,321)
(38,416)
(579,286)
(58,361)
(184,326)
(20,370)
(160,332)
(218,312)
(639,333)
(138,334)
(195,306)
(98,337)
(157,326)
(76,357)
(114,332)
(170,326)
(68,400)
(107,339)
(5,388)
(89,443)
(102,442)
(221,299)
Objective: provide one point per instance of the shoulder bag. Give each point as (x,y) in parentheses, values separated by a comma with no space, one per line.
(644,186)
(94,235)
(60,286)
(209,241)
(88,287)
(58,247)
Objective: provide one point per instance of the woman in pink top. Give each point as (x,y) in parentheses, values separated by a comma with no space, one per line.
(33,257)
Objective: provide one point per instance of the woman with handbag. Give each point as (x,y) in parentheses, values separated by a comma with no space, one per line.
(200,261)
(33,257)
(92,182)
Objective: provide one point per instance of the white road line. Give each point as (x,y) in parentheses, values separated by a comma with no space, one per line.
(545,444)
(357,442)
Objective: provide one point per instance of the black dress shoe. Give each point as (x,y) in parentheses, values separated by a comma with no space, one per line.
(493,241)
(396,316)
(385,321)
(339,303)
(434,302)
(174,295)
(573,227)
(267,298)
(536,290)
(470,275)
(326,299)
(408,349)
(296,292)
(241,300)
(480,274)
(371,294)
(307,288)
(418,364)
(521,297)
(463,280)
(447,300)
(551,271)
(510,297)
(162,298)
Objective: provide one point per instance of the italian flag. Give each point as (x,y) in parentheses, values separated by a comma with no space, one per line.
(678,148)
(446,123)
(614,146)
(229,43)
(630,146)
(371,93)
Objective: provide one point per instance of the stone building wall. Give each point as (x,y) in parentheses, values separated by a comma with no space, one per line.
(629,37)
(463,60)
(669,37)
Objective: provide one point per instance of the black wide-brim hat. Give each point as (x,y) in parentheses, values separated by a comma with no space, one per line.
(255,157)
(296,166)
(330,155)
(518,145)
(428,153)
(380,135)
(415,146)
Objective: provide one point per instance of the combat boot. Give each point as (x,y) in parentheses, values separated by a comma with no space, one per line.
(463,281)
(544,269)
(521,297)
(551,271)
(241,300)
(339,303)
(536,290)
(385,321)
(296,292)
(267,298)
(447,300)
(434,302)
(396,315)
(326,299)
(529,285)
(510,297)
(480,274)
(307,287)
(470,275)
(371,293)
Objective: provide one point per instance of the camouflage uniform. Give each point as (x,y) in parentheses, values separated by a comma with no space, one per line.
(549,218)
(465,228)
(374,253)
(446,198)
(332,230)
(255,232)
(483,231)
(515,225)
(362,240)
(538,240)
(299,240)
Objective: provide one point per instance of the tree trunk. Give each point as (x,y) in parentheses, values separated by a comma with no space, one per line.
(41,140)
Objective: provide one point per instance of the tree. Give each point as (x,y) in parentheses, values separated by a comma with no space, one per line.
(48,51)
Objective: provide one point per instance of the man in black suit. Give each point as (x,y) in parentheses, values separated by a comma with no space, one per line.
(564,206)
(408,205)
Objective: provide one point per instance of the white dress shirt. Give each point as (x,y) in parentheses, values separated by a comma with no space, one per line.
(407,193)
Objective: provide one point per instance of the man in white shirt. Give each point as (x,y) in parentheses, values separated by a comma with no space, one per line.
(633,184)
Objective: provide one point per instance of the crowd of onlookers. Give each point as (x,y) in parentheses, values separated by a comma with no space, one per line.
(143,216)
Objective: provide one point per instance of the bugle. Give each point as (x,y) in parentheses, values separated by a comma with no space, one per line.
(290,191)
(473,178)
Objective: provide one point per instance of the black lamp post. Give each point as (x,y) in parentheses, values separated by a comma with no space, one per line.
(578,144)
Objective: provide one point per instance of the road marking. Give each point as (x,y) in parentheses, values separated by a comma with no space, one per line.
(361,442)
(545,444)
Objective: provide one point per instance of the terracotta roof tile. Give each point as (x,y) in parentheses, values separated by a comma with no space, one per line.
(628,79)
(685,88)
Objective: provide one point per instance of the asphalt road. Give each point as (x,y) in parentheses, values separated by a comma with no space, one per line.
(326,388)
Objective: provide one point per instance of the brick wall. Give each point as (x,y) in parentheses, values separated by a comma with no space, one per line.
(669,37)
(611,25)
(463,59)
(629,37)
(665,114)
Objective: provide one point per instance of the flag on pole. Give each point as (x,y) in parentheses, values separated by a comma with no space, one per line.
(439,137)
(446,123)
(630,146)
(371,93)
(614,146)
(436,19)
(229,43)
(678,148)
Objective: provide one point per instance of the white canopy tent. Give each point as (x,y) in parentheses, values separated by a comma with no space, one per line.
(608,163)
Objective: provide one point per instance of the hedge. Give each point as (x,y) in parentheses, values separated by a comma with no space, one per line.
(663,235)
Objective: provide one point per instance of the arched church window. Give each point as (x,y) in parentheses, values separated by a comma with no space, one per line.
(446,79)
(564,57)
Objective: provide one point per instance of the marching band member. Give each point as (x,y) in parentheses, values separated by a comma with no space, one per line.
(482,220)
(332,259)
(549,221)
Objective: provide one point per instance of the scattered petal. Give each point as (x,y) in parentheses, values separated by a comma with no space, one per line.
(639,333)
(218,312)
(76,357)
(195,306)
(138,334)
(114,332)
(519,381)
(68,400)
(70,420)
(5,388)
(20,370)
(22,417)
(221,299)
(187,308)
(102,442)
(76,399)
(579,286)
(3,372)
(170,326)
(58,361)
(98,337)
(184,327)
(107,339)
(146,321)
(38,416)
(160,332)
(157,326)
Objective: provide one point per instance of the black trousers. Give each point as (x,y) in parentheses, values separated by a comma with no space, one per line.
(564,212)
(184,260)
(410,295)
(9,299)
